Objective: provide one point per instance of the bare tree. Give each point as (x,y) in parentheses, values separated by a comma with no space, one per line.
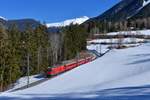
(56,45)
(120,40)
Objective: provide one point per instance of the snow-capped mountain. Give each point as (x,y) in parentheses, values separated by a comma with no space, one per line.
(146,2)
(3,18)
(126,9)
(144,11)
(68,22)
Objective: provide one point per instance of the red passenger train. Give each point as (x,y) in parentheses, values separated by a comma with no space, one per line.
(63,68)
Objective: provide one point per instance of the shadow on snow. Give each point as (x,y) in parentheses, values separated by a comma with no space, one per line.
(126,93)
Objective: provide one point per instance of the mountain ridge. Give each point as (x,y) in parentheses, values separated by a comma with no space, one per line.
(21,24)
(68,22)
(123,10)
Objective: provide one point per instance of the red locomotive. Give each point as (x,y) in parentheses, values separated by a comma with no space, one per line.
(53,71)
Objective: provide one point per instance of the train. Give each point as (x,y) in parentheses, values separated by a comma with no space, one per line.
(56,70)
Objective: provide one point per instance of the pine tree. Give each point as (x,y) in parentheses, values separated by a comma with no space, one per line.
(42,48)
(4,52)
(74,41)
(15,56)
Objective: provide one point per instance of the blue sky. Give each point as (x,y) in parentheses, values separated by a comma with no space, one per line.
(53,10)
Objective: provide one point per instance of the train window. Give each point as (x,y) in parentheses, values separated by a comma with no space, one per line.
(49,69)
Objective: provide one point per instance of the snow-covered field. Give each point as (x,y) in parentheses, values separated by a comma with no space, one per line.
(120,74)
(23,81)
(138,32)
(115,41)
(124,40)
(99,48)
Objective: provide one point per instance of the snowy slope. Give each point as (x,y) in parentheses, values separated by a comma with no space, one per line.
(68,22)
(119,68)
(23,81)
(123,64)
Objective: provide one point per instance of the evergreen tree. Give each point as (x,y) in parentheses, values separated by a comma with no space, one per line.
(15,54)
(4,53)
(74,41)
(42,48)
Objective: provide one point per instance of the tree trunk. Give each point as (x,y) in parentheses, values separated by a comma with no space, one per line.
(28,69)
(39,54)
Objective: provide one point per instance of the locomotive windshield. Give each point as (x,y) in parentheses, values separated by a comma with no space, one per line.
(49,69)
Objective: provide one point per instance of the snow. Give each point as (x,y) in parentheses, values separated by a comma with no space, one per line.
(3,18)
(146,2)
(120,73)
(23,81)
(99,48)
(115,41)
(138,32)
(68,22)
(104,77)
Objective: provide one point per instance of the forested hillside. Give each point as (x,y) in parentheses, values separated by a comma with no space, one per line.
(124,16)
(33,50)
